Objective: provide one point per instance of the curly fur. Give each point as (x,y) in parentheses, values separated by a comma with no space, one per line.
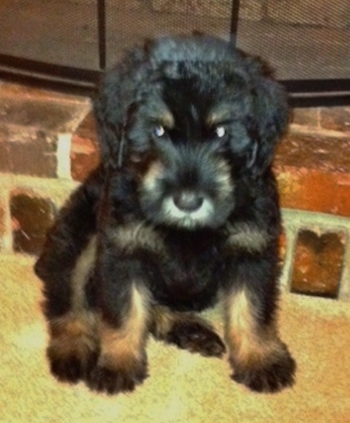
(182,213)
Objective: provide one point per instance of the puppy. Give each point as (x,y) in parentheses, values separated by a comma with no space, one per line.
(182,213)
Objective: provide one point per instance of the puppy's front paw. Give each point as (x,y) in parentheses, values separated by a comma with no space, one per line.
(71,367)
(114,380)
(271,374)
(196,337)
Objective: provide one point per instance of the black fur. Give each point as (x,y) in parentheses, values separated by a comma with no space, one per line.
(182,212)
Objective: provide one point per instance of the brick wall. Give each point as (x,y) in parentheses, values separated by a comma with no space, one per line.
(48,145)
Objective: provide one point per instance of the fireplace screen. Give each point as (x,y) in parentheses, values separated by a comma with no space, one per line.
(305,41)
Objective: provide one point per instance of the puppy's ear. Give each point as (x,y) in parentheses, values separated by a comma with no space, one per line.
(271,115)
(119,91)
(110,110)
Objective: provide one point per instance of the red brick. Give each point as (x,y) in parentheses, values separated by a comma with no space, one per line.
(31,216)
(318,262)
(30,124)
(311,190)
(84,150)
(28,152)
(314,173)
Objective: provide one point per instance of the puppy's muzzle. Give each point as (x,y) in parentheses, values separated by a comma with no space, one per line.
(187,186)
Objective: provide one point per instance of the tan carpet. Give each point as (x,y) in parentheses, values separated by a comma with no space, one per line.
(182,387)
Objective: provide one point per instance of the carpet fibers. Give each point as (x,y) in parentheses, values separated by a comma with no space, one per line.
(182,387)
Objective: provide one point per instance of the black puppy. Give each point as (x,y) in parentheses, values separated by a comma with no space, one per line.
(183,212)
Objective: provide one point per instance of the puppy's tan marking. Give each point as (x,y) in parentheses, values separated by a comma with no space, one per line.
(159,113)
(223,178)
(136,235)
(152,175)
(167,119)
(80,275)
(75,333)
(164,319)
(122,348)
(187,330)
(247,237)
(249,346)
(220,114)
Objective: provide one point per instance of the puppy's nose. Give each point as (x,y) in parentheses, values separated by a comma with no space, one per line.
(188,201)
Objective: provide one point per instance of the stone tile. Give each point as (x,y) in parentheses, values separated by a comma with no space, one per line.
(335,118)
(306,116)
(31,217)
(318,262)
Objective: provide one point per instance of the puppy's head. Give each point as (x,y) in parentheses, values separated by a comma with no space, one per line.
(196,117)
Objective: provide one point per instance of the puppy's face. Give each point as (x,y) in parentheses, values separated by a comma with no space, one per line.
(200,120)
(189,142)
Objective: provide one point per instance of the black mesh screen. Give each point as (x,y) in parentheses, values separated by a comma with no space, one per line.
(152,19)
(62,32)
(302,39)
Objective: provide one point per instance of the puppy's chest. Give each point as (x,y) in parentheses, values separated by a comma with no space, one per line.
(183,269)
(188,270)
(189,262)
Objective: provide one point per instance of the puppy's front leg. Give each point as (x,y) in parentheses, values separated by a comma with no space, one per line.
(123,324)
(259,359)
(65,266)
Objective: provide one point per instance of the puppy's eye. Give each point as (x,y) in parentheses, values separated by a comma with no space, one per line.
(159,131)
(220,131)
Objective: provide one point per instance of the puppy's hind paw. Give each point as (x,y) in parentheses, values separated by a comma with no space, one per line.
(196,337)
